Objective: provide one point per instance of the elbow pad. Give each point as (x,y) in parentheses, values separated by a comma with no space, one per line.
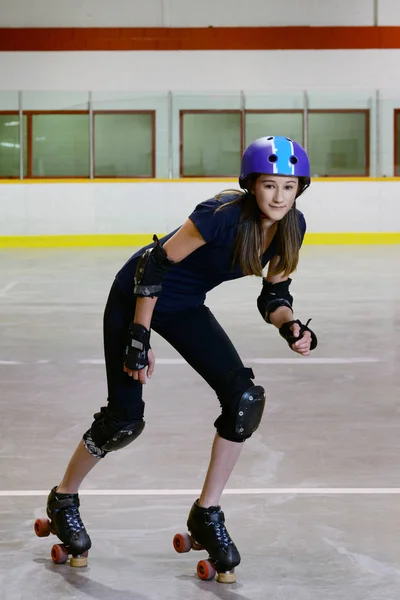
(151,269)
(274,295)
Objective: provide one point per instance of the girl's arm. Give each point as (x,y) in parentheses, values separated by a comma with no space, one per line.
(185,241)
(284,314)
(138,352)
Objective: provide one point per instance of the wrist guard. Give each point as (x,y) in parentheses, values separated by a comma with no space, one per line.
(137,347)
(287,333)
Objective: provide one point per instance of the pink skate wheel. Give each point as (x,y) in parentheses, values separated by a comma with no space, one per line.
(59,554)
(182,542)
(206,570)
(42,527)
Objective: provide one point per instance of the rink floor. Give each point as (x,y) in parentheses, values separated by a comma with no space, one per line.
(313,505)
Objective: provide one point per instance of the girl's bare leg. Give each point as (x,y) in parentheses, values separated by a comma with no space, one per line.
(79,466)
(224,456)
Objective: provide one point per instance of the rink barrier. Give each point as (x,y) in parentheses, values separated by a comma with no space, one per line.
(93,239)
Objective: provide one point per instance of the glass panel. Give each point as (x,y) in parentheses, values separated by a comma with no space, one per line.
(10,145)
(123,145)
(397,144)
(210,144)
(206,101)
(117,100)
(337,144)
(274,100)
(274,123)
(57,101)
(60,145)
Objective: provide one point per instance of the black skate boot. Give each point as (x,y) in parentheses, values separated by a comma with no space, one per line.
(63,512)
(207,528)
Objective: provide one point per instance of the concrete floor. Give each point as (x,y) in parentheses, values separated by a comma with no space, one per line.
(313,504)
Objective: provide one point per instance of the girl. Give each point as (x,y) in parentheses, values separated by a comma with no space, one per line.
(163,287)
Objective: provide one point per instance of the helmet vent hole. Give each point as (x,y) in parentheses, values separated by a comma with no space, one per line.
(293,160)
(271,137)
(273,158)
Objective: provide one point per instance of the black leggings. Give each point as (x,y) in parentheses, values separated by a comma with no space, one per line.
(194,333)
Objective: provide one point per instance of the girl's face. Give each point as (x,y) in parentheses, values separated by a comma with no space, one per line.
(275,195)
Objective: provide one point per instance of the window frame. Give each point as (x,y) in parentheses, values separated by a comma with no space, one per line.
(152,113)
(32,113)
(29,114)
(367,117)
(396,151)
(261,111)
(183,112)
(243,113)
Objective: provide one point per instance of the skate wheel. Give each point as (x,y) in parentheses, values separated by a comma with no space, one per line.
(79,561)
(206,570)
(226,577)
(59,554)
(182,542)
(42,527)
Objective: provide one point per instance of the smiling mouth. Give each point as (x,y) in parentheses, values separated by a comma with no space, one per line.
(264,216)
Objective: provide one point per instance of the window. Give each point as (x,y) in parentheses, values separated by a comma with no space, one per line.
(124,144)
(10,145)
(397,143)
(264,123)
(338,142)
(59,144)
(210,143)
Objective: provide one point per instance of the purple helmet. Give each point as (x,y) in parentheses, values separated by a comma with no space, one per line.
(275,155)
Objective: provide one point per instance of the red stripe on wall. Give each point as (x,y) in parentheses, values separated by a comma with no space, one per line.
(210,38)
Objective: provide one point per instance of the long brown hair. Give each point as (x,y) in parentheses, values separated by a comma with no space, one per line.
(249,238)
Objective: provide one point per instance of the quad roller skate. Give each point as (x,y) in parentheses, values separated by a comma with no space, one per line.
(207,531)
(65,522)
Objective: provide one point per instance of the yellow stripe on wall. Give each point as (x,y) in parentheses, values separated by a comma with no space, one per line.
(142,239)
(345,238)
(74,241)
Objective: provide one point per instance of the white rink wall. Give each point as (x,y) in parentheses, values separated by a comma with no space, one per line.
(191,13)
(35,209)
(202,71)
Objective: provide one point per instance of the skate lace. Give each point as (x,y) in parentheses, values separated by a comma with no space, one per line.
(222,534)
(74,520)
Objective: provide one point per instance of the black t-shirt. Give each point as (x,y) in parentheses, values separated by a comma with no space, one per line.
(188,282)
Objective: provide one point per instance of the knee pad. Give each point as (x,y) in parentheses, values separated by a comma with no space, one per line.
(109,433)
(242,405)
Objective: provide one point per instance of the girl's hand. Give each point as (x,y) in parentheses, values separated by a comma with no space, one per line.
(145,373)
(302,346)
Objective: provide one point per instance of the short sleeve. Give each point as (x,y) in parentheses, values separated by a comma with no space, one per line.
(302,226)
(211,222)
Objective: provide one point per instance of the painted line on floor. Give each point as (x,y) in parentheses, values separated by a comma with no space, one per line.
(259,361)
(256,361)
(10,362)
(227,492)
